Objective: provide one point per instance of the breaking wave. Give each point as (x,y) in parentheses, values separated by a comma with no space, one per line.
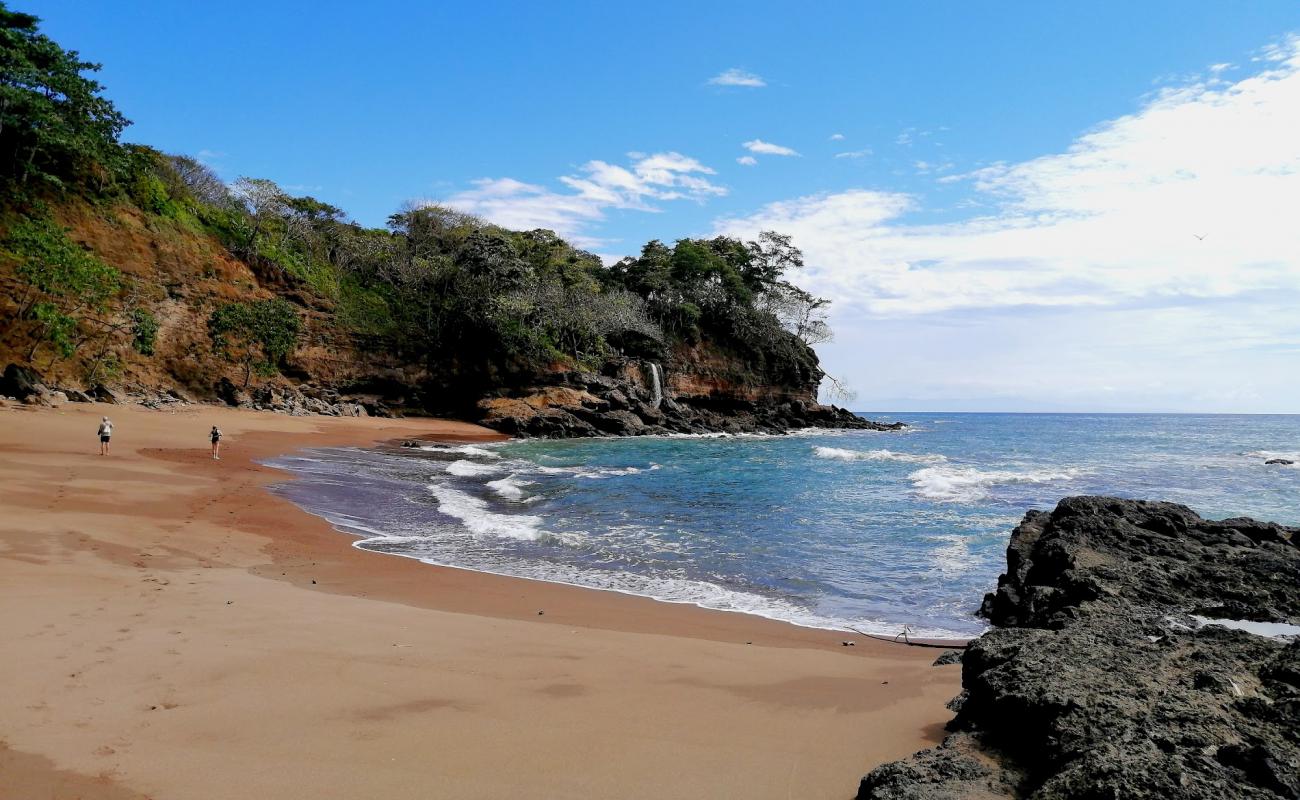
(510,487)
(469,469)
(474,514)
(968,484)
(463,449)
(840,454)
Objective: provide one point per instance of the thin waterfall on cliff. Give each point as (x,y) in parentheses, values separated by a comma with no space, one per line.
(656,386)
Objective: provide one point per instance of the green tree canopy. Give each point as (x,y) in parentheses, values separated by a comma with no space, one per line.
(257,335)
(55,128)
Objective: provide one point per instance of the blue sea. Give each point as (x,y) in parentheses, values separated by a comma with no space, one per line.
(837,529)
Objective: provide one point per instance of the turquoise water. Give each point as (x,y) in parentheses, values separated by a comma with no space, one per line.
(831,528)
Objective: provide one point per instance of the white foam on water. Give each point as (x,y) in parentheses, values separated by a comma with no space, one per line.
(595,473)
(463,449)
(841,454)
(1271,630)
(510,487)
(1267,455)
(954,484)
(470,469)
(953,556)
(473,513)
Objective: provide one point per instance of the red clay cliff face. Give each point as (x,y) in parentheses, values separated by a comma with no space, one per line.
(182,275)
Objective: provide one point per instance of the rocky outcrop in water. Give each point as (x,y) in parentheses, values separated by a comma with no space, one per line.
(633,400)
(1101,678)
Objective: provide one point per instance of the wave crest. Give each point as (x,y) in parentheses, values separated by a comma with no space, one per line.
(469,469)
(968,484)
(510,487)
(473,513)
(841,454)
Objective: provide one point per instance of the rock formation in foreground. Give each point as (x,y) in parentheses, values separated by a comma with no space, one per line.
(1097,681)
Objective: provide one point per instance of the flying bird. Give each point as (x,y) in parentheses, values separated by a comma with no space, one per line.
(1200,237)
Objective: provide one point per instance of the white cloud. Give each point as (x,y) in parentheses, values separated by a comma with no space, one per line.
(747,161)
(767,148)
(1104,233)
(599,186)
(863,153)
(1110,220)
(737,77)
(927,167)
(837,137)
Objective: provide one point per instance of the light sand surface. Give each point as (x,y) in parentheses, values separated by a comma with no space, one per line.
(171,629)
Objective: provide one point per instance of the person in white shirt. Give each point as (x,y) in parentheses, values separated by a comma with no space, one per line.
(105,433)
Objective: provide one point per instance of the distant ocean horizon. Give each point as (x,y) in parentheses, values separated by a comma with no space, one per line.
(866,530)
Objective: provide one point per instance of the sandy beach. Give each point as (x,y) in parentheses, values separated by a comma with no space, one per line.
(174,630)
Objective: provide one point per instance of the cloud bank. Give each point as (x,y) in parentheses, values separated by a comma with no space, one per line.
(1114,219)
(1180,217)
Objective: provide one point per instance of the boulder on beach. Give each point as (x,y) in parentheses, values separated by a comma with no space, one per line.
(1117,667)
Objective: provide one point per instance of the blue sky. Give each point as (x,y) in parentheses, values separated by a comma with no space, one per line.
(984,219)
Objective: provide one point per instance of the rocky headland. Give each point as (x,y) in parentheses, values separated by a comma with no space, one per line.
(635,398)
(1117,666)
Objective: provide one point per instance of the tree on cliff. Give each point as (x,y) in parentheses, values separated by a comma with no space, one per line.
(257,335)
(55,128)
(731,293)
(65,290)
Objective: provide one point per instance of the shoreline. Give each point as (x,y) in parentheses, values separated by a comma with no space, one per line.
(284,647)
(836,635)
(615,610)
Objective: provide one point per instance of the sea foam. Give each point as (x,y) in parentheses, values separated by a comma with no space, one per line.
(841,454)
(463,449)
(474,514)
(510,487)
(954,484)
(469,469)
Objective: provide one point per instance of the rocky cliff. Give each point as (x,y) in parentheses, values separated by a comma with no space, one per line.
(182,272)
(697,390)
(1117,669)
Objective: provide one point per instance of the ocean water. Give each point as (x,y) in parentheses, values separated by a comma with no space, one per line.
(862,529)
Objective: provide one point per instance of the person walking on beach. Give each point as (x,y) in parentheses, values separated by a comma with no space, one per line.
(105,433)
(215,436)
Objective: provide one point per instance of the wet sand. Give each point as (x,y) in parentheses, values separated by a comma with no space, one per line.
(173,630)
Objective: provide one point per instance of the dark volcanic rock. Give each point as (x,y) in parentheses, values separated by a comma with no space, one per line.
(947,657)
(1282,461)
(20,383)
(103,394)
(230,394)
(1097,683)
